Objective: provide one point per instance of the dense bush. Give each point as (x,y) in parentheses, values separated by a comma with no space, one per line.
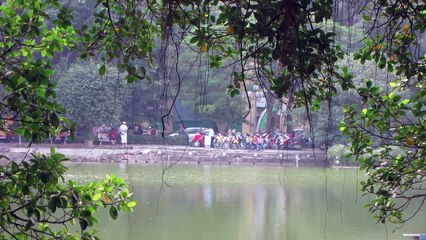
(38,203)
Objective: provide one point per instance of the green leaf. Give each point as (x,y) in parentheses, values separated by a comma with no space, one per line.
(52,150)
(342,126)
(357,56)
(113,212)
(83,224)
(85,214)
(369,83)
(405,101)
(37,5)
(97,197)
(131,204)
(315,107)
(53,204)
(102,70)
(194,39)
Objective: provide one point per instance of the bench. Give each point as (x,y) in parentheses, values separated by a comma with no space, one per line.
(103,137)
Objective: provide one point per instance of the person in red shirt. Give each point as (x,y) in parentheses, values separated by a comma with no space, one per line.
(113,135)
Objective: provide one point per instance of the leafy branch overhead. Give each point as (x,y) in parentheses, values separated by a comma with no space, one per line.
(288,44)
(35,197)
(30,38)
(385,130)
(288,47)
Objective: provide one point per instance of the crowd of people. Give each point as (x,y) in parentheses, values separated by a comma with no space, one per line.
(273,139)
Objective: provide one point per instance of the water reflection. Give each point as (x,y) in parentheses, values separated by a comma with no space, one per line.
(207,189)
(242,203)
(208,196)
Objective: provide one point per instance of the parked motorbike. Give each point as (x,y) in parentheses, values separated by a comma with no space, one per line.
(234,142)
(271,141)
(283,141)
(242,140)
(198,139)
(221,141)
(298,143)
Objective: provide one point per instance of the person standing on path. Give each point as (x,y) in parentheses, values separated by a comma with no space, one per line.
(123,133)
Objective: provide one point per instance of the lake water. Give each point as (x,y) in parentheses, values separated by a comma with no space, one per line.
(215,202)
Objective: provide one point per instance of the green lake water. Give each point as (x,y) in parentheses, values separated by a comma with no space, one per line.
(215,202)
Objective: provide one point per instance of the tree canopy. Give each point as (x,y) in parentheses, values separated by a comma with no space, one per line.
(35,197)
(288,47)
(91,99)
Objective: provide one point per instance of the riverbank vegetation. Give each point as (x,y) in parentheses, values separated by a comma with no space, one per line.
(353,71)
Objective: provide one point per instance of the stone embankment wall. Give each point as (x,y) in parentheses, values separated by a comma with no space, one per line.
(150,154)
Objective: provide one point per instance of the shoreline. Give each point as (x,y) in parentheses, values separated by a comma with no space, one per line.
(152,154)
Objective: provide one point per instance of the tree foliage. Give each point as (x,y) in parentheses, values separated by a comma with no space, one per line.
(391,117)
(123,31)
(36,199)
(27,44)
(90,98)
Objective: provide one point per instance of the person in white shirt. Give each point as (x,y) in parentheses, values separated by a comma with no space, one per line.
(123,133)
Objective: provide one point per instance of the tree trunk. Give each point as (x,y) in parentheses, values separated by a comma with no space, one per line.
(270,123)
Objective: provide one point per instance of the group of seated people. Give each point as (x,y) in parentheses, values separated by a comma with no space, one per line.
(109,134)
(138,129)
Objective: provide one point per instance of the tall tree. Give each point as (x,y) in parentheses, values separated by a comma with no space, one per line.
(90,98)
(35,199)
